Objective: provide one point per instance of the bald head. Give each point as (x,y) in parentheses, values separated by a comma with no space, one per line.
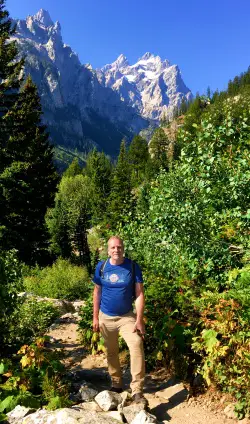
(115,250)
(112,238)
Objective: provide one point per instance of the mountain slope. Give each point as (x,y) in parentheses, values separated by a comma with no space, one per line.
(84,108)
(152,86)
(79,111)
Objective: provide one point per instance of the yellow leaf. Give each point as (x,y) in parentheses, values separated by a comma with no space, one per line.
(159,356)
(25,361)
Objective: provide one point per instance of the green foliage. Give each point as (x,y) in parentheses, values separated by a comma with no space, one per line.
(119,200)
(158,148)
(28,179)
(224,341)
(35,380)
(138,157)
(68,221)
(62,280)
(10,285)
(194,112)
(31,319)
(97,244)
(98,169)
(191,236)
(73,169)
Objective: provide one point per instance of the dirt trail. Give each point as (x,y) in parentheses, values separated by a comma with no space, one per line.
(168,399)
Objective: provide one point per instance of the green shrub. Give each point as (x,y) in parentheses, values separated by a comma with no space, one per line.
(34,377)
(224,340)
(62,280)
(10,284)
(31,319)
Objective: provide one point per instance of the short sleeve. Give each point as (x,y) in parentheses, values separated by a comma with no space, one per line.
(138,274)
(97,278)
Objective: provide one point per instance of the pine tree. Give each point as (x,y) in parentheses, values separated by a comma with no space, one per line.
(10,69)
(69,220)
(119,201)
(73,169)
(138,156)
(98,169)
(158,148)
(29,178)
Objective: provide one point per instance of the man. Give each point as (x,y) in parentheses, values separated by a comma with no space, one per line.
(112,314)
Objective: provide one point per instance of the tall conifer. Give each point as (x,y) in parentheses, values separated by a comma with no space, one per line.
(29,178)
(138,156)
(99,169)
(120,203)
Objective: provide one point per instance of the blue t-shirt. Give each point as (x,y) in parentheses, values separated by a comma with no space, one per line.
(117,286)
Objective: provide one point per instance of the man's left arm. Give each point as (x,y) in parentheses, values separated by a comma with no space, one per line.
(139,305)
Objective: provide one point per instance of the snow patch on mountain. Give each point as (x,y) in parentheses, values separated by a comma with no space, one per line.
(154,87)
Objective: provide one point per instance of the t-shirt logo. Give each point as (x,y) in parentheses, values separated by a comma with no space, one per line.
(113,278)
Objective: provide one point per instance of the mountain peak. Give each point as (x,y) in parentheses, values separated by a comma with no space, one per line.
(43,17)
(121,61)
(147,56)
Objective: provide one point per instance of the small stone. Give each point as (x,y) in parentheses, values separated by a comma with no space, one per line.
(175,394)
(108,400)
(229,411)
(19,412)
(131,411)
(86,392)
(222,400)
(78,304)
(144,417)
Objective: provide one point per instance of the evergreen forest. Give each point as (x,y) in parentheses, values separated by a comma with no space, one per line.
(181,203)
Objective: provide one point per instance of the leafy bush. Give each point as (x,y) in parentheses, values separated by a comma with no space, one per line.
(10,284)
(192,241)
(62,280)
(35,380)
(31,319)
(225,339)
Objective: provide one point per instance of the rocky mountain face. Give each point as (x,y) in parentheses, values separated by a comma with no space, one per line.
(85,108)
(152,86)
(79,111)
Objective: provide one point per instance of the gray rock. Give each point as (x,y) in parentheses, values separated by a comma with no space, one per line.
(86,392)
(78,304)
(62,416)
(114,414)
(88,406)
(19,412)
(175,394)
(144,417)
(96,418)
(108,400)
(131,411)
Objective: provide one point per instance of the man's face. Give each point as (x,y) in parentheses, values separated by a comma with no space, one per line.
(115,249)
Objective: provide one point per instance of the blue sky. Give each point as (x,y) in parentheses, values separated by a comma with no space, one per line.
(208,39)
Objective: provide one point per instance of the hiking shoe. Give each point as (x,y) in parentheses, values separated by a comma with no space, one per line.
(116,389)
(139,398)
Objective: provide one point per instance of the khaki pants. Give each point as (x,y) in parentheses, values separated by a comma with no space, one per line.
(124,324)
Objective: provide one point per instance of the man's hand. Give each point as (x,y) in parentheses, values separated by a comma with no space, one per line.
(139,326)
(95,325)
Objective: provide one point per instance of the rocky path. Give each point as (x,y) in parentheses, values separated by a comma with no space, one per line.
(168,399)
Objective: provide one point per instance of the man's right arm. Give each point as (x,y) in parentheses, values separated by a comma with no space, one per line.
(96,306)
